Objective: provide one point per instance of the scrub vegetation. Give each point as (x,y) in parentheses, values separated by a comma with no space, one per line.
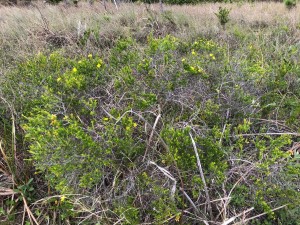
(137,116)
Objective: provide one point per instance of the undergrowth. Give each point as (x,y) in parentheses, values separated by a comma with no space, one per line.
(154,128)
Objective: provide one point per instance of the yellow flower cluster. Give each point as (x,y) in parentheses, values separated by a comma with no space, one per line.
(212,56)
(100,63)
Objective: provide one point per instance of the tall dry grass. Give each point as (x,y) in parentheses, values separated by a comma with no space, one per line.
(61,18)
(24,30)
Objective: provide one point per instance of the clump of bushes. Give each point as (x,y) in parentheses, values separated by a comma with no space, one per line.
(122,130)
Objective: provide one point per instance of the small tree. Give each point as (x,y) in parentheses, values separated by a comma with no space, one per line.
(223,16)
(290,4)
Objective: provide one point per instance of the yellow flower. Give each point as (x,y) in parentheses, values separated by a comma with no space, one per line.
(183,60)
(193,52)
(79,62)
(74,70)
(62,198)
(212,56)
(98,65)
(90,55)
(174,39)
(200,70)
(134,124)
(58,79)
(53,117)
(105,119)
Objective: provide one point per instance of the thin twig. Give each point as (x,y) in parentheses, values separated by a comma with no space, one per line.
(227,201)
(190,200)
(45,21)
(30,215)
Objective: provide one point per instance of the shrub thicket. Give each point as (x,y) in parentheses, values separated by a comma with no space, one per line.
(128,126)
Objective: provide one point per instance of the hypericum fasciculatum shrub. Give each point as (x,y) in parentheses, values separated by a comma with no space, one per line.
(120,129)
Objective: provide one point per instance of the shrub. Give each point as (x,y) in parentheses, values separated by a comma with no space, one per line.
(223,16)
(290,3)
(123,126)
(54,2)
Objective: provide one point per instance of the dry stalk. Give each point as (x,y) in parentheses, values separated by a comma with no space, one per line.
(190,200)
(230,220)
(202,178)
(259,215)
(45,21)
(29,213)
(169,175)
(6,192)
(151,135)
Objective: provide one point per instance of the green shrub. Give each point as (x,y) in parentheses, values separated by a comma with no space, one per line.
(223,16)
(120,126)
(290,3)
(54,2)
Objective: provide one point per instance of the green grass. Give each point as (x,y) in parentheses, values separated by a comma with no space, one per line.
(133,116)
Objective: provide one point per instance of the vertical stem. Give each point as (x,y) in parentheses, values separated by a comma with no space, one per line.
(116,5)
(161,6)
(202,178)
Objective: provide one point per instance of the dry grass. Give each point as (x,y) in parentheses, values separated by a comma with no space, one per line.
(25,31)
(269,12)
(17,22)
